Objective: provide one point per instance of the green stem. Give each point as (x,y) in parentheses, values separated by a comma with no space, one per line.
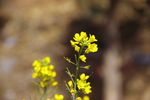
(77,74)
(43,94)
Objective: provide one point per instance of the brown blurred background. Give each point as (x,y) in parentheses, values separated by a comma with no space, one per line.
(32,29)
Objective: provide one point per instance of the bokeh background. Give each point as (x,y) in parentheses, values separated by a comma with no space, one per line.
(33,29)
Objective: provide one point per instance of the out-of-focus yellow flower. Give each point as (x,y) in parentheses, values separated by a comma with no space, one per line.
(44,72)
(83,58)
(43,84)
(72,91)
(78,98)
(54,83)
(84,98)
(47,60)
(34,75)
(51,67)
(36,63)
(58,97)
(53,74)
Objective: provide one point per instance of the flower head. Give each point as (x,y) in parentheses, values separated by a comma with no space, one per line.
(57,97)
(82,40)
(44,72)
(71,88)
(84,98)
(83,85)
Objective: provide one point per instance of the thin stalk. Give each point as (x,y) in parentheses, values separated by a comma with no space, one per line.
(43,94)
(77,74)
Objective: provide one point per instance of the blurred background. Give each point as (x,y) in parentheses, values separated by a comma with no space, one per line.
(32,29)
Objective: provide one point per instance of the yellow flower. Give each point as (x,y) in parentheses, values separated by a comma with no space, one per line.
(53,74)
(44,72)
(83,58)
(48,99)
(87,67)
(92,39)
(77,48)
(91,48)
(54,83)
(37,68)
(72,91)
(83,85)
(86,98)
(34,75)
(87,90)
(82,40)
(51,67)
(70,84)
(36,63)
(73,43)
(83,76)
(83,36)
(58,97)
(78,98)
(47,60)
(43,84)
(77,37)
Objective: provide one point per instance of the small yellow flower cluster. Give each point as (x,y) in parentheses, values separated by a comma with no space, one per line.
(82,85)
(82,40)
(57,97)
(71,87)
(84,43)
(44,72)
(84,98)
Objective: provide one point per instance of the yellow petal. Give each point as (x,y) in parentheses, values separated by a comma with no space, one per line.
(83,58)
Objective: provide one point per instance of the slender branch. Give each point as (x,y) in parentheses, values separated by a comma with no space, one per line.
(77,72)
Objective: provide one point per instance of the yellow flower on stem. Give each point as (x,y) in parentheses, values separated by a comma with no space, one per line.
(58,97)
(35,75)
(92,39)
(83,76)
(43,84)
(86,98)
(78,98)
(54,83)
(47,60)
(77,48)
(82,40)
(44,72)
(83,85)
(70,84)
(83,58)
(91,48)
